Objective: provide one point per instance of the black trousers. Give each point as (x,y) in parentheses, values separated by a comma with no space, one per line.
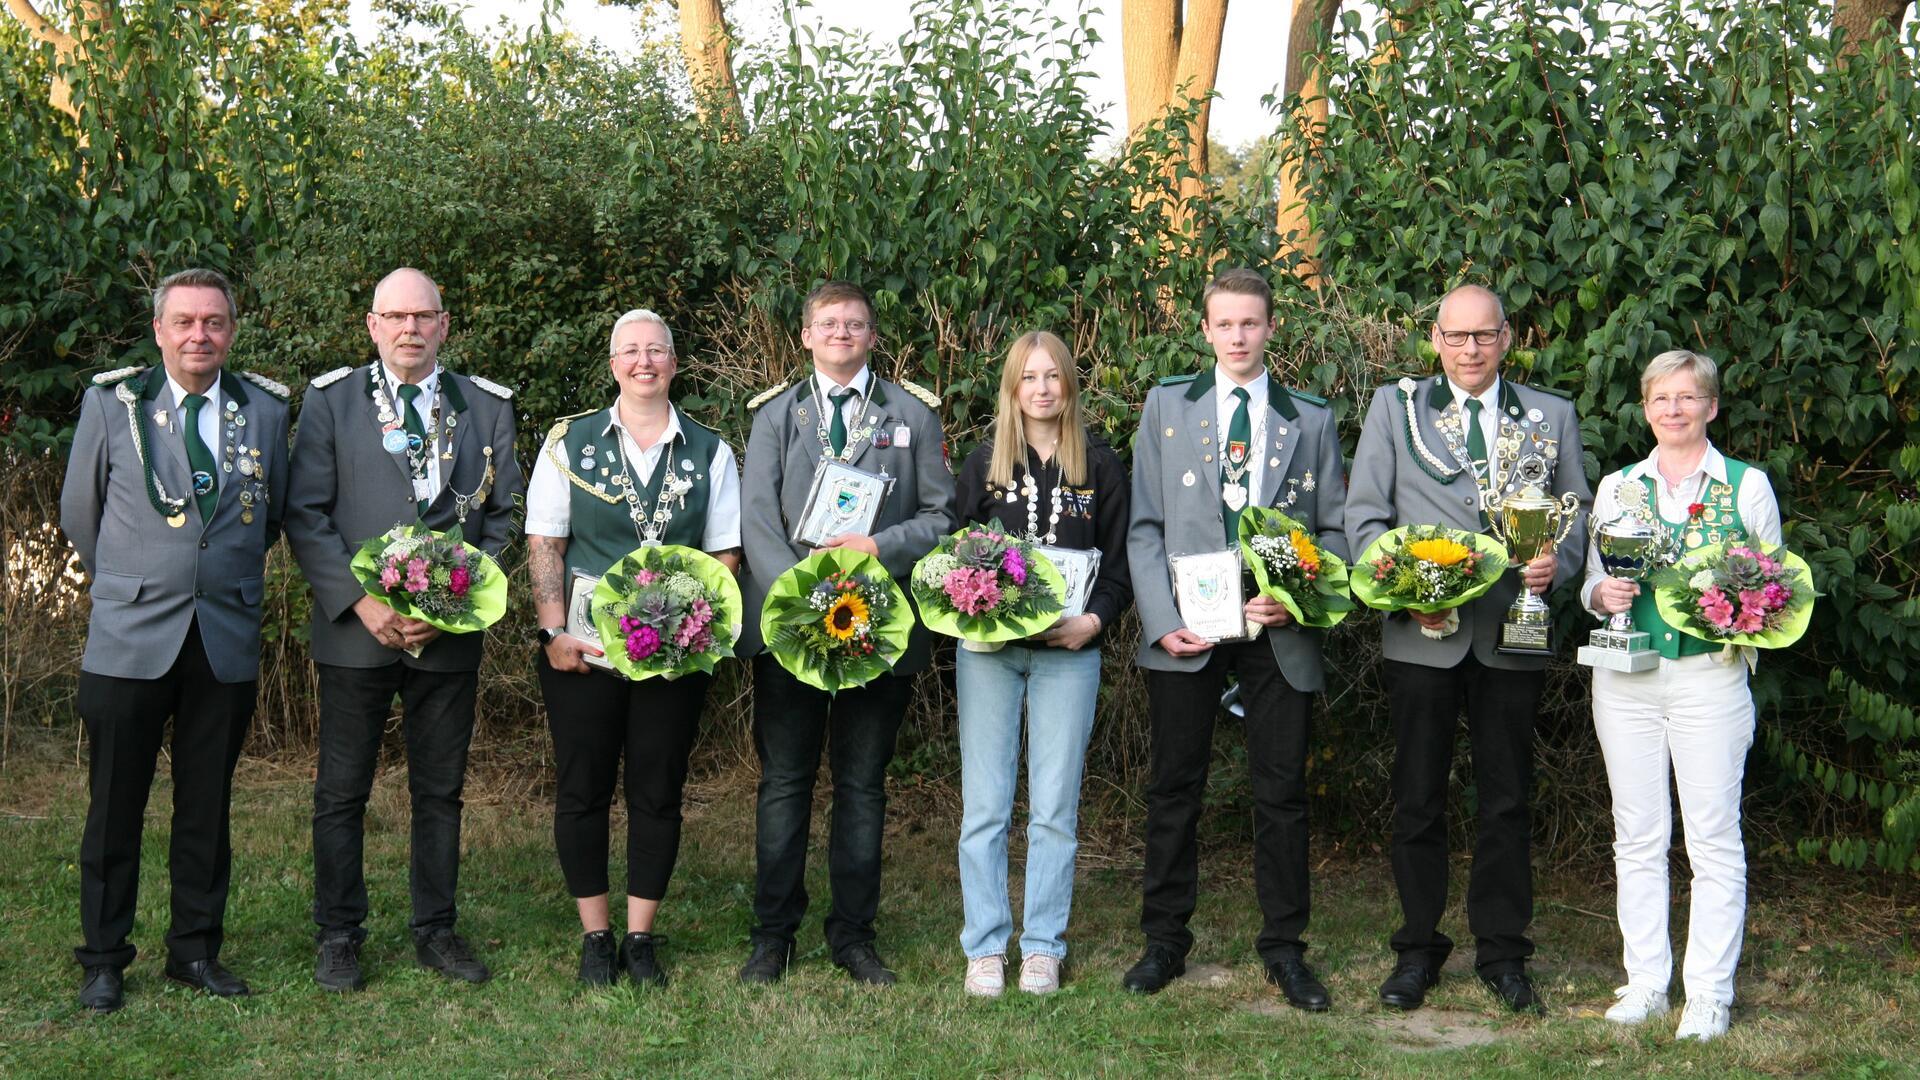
(125,720)
(1500,705)
(594,718)
(1182,708)
(438,726)
(791,721)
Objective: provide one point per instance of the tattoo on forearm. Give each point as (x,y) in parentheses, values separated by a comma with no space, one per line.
(547,565)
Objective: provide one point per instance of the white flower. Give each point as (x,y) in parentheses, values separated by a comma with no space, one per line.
(935,568)
(1701,580)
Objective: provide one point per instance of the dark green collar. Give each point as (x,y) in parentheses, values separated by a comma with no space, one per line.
(1442,395)
(234,387)
(1277,395)
(155,380)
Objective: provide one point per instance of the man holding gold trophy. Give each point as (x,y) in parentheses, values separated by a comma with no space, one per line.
(1469,450)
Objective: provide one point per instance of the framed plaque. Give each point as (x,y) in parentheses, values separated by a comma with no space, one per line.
(1207,588)
(1079,567)
(580,620)
(842,500)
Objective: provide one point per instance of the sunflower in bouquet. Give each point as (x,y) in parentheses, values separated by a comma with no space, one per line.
(982,584)
(1429,569)
(1738,594)
(434,577)
(836,620)
(666,610)
(1292,568)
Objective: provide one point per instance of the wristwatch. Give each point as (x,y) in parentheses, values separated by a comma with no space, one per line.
(546,634)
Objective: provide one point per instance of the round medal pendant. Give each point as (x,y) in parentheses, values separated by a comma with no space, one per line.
(414,443)
(246,466)
(176,519)
(1235,496)
(394,442)
(202,482)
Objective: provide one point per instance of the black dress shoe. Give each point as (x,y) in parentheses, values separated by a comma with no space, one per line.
(596,958)
(448,953)
(101,988)
(1407,987)
(1296,980)
(865,965)
(336,964)
(1156,967)
(768,963)
(208,975)
(637,957)
(1515,991)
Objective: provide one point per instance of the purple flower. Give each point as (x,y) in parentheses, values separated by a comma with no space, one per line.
(642,642)
(1014,565)
(459,580)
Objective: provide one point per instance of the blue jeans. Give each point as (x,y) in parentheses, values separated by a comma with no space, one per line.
(1059,688)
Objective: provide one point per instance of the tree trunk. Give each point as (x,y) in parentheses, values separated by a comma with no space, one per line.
(708,46)
(1866,20)
(65,45)
(1312,23)
(1167,53)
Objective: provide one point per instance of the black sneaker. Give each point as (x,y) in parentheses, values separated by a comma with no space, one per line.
(336,966)
(864,964)
(637,957)
(596,958)
(446,952)
(768,964)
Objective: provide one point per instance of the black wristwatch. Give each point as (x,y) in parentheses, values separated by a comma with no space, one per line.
(546,634)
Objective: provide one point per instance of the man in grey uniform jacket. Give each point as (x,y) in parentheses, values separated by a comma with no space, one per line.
(844,411)
(390,443)
(1426,449)
(172,497)
(1208,446)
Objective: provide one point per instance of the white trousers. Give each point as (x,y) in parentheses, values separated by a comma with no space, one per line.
(1694,714)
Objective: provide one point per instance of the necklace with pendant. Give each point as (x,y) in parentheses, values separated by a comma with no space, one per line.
(1233,489)
(650,520)
(1032,491)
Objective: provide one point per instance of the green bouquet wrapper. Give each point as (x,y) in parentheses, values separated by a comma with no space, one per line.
(1676,600)
(486,598)
(614,594)
(1376,594)
(1332,598)
(797,632)
(1029,608)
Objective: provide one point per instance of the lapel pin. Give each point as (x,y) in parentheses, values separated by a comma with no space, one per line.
(1273,463)
(163,418)
(1188,478)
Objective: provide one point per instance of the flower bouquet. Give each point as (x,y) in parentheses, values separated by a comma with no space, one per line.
(983,585)
(1292,569)
(836,620)
(1737,594)
(666,610)
(1429,569)
(434,577)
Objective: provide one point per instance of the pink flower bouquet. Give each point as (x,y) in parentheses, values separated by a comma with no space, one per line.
(981,584)
(666,610)
(433,577)
(1738,594)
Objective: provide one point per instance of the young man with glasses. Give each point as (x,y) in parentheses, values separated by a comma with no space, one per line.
(1427,449)
(841,411)
(393,442)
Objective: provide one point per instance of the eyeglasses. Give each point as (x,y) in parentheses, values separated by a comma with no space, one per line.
(1457,338)
(654,353)
(1688,402)
(400,318)
(853,326)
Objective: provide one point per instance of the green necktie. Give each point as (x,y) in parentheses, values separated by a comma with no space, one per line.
(410,419)
(1239,434)
(837,428)
(1476,439)
(201,458)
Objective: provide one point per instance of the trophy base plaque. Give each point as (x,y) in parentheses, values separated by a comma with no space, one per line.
(1528,629)
(1619,650)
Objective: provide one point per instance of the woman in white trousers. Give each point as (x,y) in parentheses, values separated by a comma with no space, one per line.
(1693,713)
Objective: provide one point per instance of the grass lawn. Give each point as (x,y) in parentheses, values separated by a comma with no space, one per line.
(1828,985)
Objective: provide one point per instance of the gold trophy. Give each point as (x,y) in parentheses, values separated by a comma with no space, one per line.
(1530,524)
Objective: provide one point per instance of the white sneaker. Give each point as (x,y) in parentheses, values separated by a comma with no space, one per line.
(1637,1004)
(1702,1020)
(986,976)
(1039,973)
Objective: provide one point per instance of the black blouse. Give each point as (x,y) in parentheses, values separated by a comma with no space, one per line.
(1091,517)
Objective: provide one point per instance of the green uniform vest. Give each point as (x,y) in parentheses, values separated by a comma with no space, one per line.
(1720,521)
(601,527)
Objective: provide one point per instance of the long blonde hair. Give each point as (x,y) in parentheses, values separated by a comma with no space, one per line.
(1010,424)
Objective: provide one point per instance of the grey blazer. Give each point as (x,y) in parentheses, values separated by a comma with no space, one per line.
(1394,484)
(347,488)
(1176,506)
(782,452)
(151,580)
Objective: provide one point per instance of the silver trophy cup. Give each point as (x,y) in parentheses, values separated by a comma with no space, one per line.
(1631,549)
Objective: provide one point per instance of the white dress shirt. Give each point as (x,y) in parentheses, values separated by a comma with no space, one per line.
(429,487)
(209,416)
(1489,400)
(550,500)
(1759,512)
(1224,404)
(861,384)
